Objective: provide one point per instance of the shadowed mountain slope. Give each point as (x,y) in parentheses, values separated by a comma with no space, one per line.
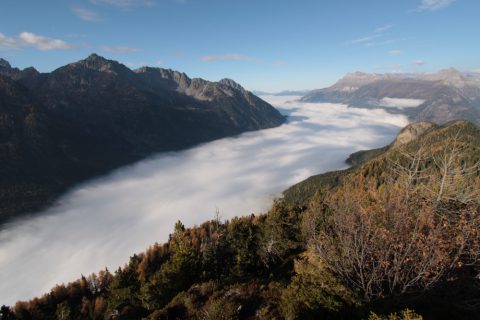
(94,115)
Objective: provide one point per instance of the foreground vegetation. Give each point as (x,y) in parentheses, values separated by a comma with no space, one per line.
(397,233)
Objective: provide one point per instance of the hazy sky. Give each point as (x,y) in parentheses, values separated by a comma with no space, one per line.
(105,221)
(263,44)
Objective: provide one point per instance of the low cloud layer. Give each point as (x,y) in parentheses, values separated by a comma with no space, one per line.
(400,103)
(105,221)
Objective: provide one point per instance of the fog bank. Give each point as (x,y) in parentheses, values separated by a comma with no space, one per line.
(102,223)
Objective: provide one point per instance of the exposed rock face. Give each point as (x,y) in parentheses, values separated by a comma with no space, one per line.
(94,115)
(447,95)
(407,134)
(6,69)
(412,132)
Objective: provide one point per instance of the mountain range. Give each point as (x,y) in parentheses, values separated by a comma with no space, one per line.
(94,115)
(437,97)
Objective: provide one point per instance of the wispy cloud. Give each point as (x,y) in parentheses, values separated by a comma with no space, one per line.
(28,39)
(383,28)
(85,14)
(124,4)
(432,5)
(227,57)
(395,52)
(376,37)
(419,62)
(7,42)
(120,49)
(363,39)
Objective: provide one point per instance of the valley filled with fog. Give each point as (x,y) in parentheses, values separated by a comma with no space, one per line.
(101,223)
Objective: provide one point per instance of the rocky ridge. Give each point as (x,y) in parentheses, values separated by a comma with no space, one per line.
(94,115)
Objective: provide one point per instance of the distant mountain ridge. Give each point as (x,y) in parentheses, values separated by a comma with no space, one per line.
(438,97)
(93,115)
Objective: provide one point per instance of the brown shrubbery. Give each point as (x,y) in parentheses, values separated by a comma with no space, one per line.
(405,235)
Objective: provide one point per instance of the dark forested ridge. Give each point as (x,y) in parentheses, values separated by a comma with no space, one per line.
(94,115)
(400,231)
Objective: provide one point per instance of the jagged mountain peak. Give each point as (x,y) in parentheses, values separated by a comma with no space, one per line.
(197,88)
(95,57)
(357,74)
(446,74)
(231,83)
(450,76)
(356,79)
(101,64)
(5,64)
(450,72)
(165,73)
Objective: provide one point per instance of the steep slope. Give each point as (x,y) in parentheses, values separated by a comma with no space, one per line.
(225,96)
(445,96)
(407,134)
(26,151)
(96,114)
(373,162)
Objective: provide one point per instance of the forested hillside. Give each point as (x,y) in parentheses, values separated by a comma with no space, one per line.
(396,233)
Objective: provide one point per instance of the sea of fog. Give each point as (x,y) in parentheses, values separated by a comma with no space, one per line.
(103,222)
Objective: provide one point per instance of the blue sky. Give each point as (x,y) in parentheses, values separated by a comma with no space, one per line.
(263,44)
